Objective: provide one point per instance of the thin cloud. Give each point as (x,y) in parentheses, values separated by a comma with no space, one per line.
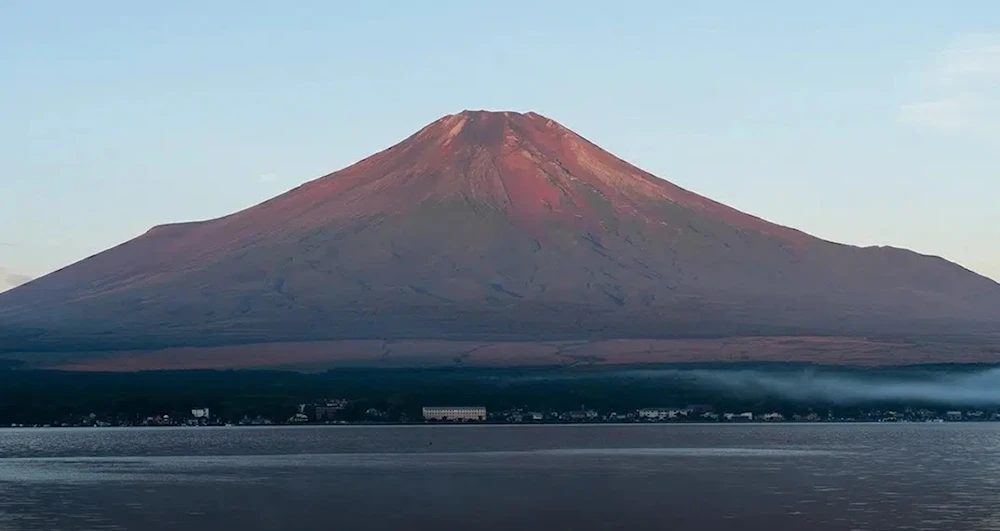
(10,280)
(947,113)
(972,58)
(963,89)
(266,179)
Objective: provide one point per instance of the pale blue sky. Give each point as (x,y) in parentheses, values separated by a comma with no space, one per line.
(867,122)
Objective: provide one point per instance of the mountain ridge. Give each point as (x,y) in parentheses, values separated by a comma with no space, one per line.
(492,224)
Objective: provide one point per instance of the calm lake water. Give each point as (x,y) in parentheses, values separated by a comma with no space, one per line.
(697,477)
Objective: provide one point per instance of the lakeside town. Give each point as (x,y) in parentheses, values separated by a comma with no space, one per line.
(341,412)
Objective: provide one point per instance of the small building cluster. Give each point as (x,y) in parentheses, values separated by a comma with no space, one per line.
(361,411)
(329,410)
(697,413)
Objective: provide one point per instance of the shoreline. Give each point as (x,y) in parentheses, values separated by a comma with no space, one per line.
(500,424)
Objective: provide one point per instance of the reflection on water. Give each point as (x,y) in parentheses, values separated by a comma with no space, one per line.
(544,477)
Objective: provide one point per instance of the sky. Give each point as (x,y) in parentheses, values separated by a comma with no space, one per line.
(863,122)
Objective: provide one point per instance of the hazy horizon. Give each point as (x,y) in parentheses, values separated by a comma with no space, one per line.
(857,124)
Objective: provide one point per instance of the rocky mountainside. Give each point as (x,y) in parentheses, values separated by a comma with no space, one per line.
(489,226)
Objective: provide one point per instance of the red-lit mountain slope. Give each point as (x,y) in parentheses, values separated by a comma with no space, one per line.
(489,226)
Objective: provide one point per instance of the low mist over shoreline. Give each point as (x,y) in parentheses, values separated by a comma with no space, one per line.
(980,388)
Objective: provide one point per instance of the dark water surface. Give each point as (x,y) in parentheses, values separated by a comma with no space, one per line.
(697,477)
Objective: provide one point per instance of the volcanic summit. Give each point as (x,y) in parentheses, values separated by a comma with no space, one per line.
(489,227)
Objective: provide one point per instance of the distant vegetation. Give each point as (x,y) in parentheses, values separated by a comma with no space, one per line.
(49,396)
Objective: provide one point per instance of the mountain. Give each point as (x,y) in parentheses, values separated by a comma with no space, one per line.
(490,226)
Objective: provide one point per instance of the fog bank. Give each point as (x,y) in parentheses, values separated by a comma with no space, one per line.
(973,388)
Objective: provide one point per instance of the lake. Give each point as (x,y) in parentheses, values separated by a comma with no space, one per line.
(680,477)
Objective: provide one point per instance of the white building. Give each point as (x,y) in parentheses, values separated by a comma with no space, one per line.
(455,413)
(200,413)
